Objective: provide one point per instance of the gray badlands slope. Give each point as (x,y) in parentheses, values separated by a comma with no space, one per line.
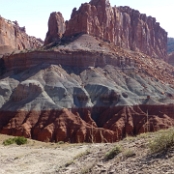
(56,100)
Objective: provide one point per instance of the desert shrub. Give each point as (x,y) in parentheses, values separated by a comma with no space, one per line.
(16,140)
(163,141)
(8,141)
(20,140)
(112,153)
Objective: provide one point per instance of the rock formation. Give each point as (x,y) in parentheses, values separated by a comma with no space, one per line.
(122,26)
(56,28)
(13,37)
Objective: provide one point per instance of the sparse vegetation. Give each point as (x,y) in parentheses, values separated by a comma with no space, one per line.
(128,153)
(61,142)
(69,163)
(112,153)
(87,169)
(163,141)
(87,152)
(129,138)
(144,135)
(16,140)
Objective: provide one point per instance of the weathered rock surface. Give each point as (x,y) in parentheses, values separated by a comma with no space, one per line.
(13,37)
(122,26)
(56,28)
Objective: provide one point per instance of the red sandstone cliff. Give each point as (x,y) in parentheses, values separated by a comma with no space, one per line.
(13,37)
(122,26)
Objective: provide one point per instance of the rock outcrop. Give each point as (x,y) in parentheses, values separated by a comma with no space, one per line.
(56,28)
(13,37)
(122,26)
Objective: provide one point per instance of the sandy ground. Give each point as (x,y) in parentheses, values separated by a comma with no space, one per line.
(54,158)
(36,157)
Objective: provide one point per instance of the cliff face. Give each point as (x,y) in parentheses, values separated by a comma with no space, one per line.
(13,37)
(122,26)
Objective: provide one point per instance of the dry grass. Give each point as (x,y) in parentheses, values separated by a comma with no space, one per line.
(128,153)
(113,152)
(163,141)
(87,169)
(87,152)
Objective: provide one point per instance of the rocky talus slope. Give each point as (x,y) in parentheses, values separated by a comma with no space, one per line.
(82,88)
(13,37)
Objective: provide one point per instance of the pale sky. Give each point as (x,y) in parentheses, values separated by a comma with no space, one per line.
(34,14)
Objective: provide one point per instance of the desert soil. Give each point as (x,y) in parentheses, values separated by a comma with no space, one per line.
(55,158)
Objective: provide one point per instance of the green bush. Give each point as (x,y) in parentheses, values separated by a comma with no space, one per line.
(112,153)
(16,140)
(163,141)
(8,141)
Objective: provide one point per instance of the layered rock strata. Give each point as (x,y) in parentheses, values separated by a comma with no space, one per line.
(82,102)
(81,59)
(13,37)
